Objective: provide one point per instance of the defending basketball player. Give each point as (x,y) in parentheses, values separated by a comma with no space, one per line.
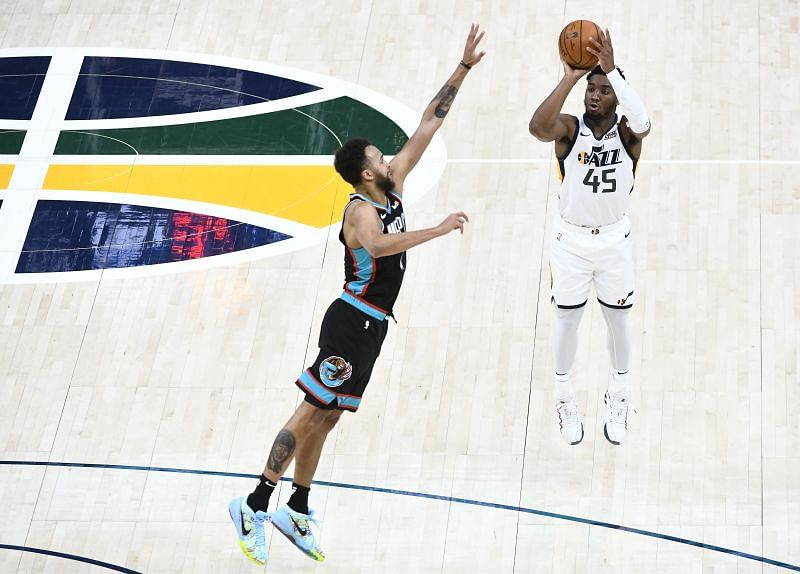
(355,325)
(592,242)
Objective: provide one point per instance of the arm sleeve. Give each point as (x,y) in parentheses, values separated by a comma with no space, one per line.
(631,103)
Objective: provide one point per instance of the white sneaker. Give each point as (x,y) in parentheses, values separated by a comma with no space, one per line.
(569,421)
(616,422)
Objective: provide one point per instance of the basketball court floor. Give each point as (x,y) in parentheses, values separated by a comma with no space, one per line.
(168,245)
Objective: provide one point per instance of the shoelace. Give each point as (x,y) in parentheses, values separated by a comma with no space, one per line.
(260,536)
(568,412)
(306,522)
(619,409)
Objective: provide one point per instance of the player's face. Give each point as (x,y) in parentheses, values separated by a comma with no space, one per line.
(380,168)
(599,98)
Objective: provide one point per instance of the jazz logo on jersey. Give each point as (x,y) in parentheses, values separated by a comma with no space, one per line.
(334,371)
(164,163)
(599,157)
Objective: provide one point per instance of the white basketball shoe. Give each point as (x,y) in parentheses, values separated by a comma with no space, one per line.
(569,421)
(616,422)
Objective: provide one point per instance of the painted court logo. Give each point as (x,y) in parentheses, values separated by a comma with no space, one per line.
(130,162)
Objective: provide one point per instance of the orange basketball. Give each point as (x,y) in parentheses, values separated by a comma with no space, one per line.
(572,43)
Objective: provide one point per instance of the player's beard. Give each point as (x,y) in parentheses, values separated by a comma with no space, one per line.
(593,115)
(384,183)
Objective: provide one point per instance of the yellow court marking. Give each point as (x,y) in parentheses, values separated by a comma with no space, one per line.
(309,194)
(5,175)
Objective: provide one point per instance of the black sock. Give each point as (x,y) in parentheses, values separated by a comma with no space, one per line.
(299,499)
(259,498)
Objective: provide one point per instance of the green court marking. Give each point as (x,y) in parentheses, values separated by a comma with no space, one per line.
(11,141)
(286,132)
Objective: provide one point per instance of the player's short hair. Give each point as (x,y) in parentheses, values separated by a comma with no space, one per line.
(598,70)
(350,160)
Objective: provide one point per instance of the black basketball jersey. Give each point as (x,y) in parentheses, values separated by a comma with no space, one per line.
(372,284)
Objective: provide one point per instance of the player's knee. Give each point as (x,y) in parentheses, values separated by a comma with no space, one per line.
(331,420)
(614,314)
(308,416)
(569,317)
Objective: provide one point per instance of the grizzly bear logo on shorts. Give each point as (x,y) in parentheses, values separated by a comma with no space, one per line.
(334,371)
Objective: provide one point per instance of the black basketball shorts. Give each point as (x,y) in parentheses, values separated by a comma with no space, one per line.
(349,344)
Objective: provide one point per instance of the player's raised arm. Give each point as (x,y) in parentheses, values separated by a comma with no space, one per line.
(437,110)
(638,120)
(368,233)
(548,123)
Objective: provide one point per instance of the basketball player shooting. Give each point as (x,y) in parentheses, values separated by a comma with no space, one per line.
(591,242)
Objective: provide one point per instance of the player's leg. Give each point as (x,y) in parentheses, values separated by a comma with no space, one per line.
(570,280)
(620,348)
(294,519)
(615,291)
(307,458)
(565,347)
(308,454)
(348,350)
(249,514)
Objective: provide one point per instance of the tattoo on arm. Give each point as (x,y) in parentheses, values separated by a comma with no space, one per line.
(282,451)
(444,99)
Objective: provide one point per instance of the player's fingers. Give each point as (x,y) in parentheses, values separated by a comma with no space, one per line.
(592,51)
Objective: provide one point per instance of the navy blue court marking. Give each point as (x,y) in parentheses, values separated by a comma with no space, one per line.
(69,235)
(424,495)
(91,561)
(115,87)
(21,80)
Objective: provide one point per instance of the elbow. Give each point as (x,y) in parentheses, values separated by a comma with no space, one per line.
(538,130)
(375,249)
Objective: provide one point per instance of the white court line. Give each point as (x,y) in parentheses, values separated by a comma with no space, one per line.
(19,201)
(653,161)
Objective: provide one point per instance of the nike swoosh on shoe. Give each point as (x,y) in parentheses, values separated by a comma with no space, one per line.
(301,531)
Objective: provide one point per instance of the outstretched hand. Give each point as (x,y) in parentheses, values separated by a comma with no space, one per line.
(603,49)
(452,222)
(471,54)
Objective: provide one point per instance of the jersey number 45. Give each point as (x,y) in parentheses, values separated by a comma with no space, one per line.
(605,177)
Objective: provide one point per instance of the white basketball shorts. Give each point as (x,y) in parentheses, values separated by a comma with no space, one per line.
(584,256)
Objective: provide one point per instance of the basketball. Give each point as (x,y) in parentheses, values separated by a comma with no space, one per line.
(574,39)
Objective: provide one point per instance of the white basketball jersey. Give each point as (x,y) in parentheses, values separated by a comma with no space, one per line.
(596,178)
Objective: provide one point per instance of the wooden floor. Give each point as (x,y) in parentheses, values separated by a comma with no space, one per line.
(195,370)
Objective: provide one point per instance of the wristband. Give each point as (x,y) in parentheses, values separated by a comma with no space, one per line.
(467,66)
